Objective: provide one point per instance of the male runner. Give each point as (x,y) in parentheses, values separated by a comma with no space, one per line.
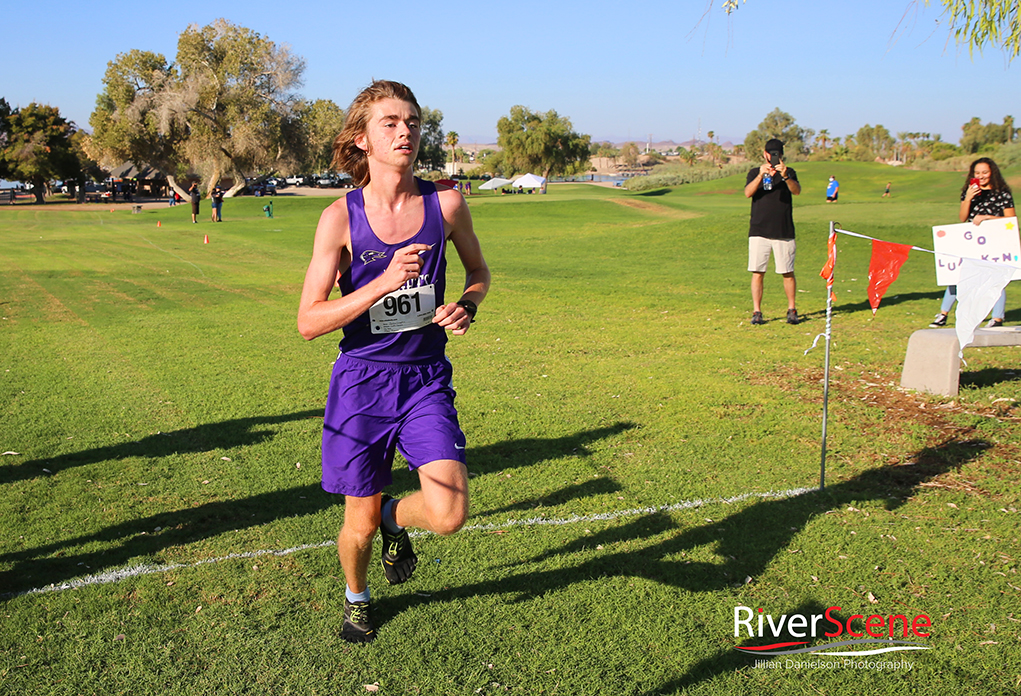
(391,385)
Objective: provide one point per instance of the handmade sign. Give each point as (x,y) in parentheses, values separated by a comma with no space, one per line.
(995,241)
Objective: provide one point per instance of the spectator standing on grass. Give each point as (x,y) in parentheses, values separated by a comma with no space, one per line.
(832,190)
(217,199)
(771,230)
(391,385)
(195,196)
(985,196)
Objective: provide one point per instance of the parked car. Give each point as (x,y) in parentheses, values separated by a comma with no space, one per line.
(258,188)
(95,192)
(296,180)
(326,181)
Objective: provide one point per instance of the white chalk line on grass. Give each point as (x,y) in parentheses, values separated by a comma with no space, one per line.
(119,574)
(175,256)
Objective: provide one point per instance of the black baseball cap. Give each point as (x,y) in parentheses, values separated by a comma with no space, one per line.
(774,145)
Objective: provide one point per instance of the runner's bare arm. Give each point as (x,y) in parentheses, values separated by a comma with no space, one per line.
(461,233)
(331,253)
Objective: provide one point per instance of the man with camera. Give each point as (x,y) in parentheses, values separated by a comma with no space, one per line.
(771,187)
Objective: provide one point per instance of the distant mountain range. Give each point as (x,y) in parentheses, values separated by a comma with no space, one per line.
(659,145)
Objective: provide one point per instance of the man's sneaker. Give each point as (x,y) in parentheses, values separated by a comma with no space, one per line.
(940,320)
(993,323)
(399,559)
(757,318)
(358,626)
(792,316)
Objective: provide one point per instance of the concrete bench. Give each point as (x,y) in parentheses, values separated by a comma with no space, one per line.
(932,364)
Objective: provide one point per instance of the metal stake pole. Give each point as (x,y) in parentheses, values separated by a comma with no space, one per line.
(826,378)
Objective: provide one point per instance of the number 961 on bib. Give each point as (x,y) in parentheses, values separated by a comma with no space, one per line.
(403,310)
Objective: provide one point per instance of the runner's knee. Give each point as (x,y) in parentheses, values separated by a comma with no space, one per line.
(451,517)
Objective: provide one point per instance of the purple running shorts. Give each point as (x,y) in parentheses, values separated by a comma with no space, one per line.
(374,408)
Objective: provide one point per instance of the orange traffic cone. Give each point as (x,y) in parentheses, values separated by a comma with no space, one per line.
(159,224)
(206,240)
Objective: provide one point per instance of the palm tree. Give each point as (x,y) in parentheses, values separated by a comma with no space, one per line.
(824,137)
(452,143)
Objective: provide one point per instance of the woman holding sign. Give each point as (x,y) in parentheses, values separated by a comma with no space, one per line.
(985,196)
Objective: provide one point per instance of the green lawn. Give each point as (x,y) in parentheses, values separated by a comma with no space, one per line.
(639,454)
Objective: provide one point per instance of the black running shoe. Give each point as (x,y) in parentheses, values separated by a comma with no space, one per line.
(938,321)
(994,323)
(358,626)
(399,559)
(757,318)
(792,316)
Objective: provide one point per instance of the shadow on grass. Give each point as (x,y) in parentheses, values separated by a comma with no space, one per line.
(732,660)
(746,541)
(242,432)
(988,377)
(887,301)
(136,541)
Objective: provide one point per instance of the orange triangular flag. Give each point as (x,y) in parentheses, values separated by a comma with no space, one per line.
(831,262)
(887,258)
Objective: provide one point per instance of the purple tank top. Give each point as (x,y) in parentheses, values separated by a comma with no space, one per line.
(367,338)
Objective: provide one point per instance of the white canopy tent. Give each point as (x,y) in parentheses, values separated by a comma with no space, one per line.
(529,181)
(494,183)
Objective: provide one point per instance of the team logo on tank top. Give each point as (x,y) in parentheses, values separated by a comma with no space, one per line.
(368,256)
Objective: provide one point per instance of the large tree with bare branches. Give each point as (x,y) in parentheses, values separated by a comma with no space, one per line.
(227,106)
(138,116)
(238,90)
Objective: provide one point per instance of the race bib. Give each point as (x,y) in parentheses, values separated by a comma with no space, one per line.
(403,310)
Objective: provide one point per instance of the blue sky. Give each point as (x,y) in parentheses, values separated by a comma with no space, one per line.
(618,70)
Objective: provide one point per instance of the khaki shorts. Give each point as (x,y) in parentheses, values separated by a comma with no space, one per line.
(783,254)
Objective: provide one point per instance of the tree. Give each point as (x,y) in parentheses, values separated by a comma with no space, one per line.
(778,124)
(226,106)
(138,117)
(88,168)
(5,125)
(824,138)
(237,89)
(451,139)
(873,142)
(37,147)
(321,122)
(629,153)
(431,154)
(975,24)
(538,142)
(988,23)
(715,152)
(977,137)
(689,157)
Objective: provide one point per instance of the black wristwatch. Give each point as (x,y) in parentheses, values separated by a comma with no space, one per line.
(469,307)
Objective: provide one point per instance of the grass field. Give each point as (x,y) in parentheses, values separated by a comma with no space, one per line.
(643,460)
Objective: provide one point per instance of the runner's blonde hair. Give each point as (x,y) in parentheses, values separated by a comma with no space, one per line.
(348,157)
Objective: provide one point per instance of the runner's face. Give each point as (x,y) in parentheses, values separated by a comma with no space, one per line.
(393,133)
(982,173)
